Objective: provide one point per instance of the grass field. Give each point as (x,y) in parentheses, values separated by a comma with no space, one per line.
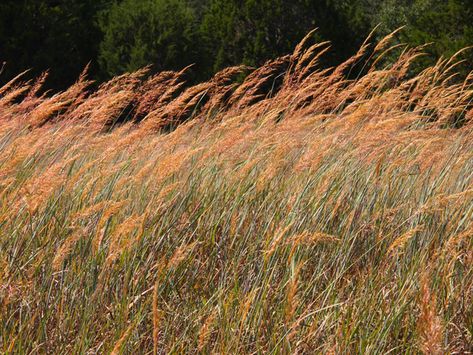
(296,212)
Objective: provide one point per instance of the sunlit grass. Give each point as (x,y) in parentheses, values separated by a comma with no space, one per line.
(331,216)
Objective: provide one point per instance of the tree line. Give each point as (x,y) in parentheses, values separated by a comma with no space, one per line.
(117,36)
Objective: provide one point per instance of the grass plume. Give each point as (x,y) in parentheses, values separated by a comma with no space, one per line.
(296,211)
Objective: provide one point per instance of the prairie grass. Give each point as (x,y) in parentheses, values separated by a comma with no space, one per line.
(305,210)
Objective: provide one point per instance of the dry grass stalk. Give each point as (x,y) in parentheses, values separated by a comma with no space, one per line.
(429,323)
(206,330)
(156,318)
(118,346)
(400,242)
(149,167)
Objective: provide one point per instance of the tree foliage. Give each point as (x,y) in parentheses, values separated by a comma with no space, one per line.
(118,36)
(137,33)
(57,35)
(252,31)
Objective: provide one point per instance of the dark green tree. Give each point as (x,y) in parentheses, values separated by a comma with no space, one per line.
(446,24)
(123,35)
(57,35)
(142,32)
(252,31)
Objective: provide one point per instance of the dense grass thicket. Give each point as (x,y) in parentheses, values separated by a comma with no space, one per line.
(296,212)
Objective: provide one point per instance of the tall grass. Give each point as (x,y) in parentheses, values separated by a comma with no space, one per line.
(298,211)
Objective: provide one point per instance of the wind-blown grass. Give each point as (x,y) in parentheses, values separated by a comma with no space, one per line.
(299,211)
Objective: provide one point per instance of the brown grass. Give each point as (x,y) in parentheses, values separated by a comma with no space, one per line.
(304,209)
